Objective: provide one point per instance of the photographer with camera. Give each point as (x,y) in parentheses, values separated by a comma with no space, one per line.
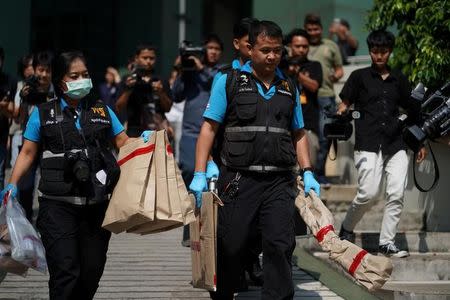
(73,135)
(7,90)
(308,75)
(378,92)
(144,95)
(37,88)
(199,65)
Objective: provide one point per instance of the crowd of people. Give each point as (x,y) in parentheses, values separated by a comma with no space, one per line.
(254,123)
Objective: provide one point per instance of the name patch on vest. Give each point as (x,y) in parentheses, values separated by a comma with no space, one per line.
(285,93)
(100,120)
(50,122)
(245,89)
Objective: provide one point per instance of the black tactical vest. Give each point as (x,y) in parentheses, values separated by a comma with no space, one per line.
(257,132)
(59,136)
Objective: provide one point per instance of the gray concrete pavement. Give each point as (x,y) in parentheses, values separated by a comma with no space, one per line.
(150,267)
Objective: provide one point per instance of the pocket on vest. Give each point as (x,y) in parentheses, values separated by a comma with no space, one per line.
(240,148)
(52,177)
(286,150)
(246,107)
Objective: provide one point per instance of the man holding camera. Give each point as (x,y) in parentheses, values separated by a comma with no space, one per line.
(308,75)
(145,96)
(7,91)
(378,92)
(327,53)
(194,86)
(36,89)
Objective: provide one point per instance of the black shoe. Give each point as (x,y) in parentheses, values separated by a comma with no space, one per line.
(243,284)
(346,235)
(391,250)
(255,273)
(186,243)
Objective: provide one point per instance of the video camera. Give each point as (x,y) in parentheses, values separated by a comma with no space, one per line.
(435,115)
(186,50)
(35,95)
(341,128)
(141,71)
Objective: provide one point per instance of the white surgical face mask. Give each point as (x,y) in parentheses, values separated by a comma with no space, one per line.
(78,89)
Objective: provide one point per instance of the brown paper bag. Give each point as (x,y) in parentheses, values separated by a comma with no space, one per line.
(203,235)
(173,208)
(6,262)
(369,270)
(127,206)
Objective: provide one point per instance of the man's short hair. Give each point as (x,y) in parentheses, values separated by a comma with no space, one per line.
(267,28)
(380,38)
(296,32)
(43,58)
(212,37)
(142,47)
(242,28)
(312,19)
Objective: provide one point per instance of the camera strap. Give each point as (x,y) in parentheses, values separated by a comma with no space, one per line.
(335,147)
(436,173)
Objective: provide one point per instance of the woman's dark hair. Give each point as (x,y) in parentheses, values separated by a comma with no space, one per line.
(296,32)
(142,47)
(44,58)
(268,28)
(242,28)
(212,37)
(381,38)
(60,67)
(312,19)
(23,63)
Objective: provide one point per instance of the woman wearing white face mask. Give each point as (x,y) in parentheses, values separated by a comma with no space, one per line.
(73,135)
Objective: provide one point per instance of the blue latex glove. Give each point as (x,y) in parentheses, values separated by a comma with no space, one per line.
(10,187)
(146,134)
(198,186)
(310,183)
(211,170)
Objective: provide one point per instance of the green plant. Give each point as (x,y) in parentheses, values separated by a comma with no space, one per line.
(422,48)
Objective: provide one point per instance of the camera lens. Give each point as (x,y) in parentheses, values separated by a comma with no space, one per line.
(81,170)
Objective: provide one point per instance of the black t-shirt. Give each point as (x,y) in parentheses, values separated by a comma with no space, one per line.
(310,109)
(8,88)
(378,101)
(143,107)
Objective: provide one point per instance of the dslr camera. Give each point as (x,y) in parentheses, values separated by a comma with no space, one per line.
(187,49)
(341,128)
(77,164)
(434,114)
(139,72)
(35,96)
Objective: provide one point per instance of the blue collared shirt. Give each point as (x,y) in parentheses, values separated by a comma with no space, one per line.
(217,106)
(33,129)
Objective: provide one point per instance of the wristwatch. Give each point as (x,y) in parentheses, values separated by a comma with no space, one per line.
(302,171)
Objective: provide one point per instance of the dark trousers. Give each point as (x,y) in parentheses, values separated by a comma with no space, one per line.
(263,202)
(187,166)
(75,245)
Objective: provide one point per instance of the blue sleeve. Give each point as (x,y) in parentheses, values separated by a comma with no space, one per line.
(297,120)
(217,105)
(116,126)
(216,78)
(33,128)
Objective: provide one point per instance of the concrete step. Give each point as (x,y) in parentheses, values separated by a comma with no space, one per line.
(413,241)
